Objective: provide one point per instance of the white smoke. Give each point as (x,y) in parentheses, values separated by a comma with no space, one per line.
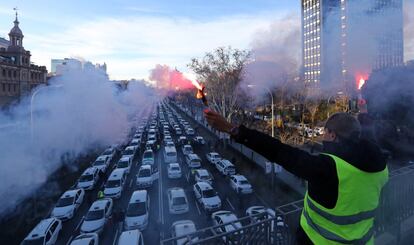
(79,112)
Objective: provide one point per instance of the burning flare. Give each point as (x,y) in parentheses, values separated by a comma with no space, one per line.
(361,83)
(200,93)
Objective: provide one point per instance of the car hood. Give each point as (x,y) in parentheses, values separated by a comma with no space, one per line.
(112,190)
(136,220)
(144,179)
(212,200)
(60,211)
(89,226)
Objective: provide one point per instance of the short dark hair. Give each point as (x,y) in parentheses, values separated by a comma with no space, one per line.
(344,125)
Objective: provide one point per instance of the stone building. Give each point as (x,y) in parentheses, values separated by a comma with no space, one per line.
(18,76)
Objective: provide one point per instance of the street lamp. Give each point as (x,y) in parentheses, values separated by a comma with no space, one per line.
(31,105)
(273,113)
(272,168)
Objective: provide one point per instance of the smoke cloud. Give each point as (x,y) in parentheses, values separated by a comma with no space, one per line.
(276,55)
(169,79)
(409,29)
(80,111)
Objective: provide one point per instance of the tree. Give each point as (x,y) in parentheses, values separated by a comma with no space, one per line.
(221,72)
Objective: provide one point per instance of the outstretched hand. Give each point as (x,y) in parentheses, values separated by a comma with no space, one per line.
(218,122)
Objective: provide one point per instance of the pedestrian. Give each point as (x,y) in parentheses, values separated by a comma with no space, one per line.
(344,182)
(100,194)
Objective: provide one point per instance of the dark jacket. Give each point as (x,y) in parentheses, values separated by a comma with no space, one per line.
(318,170)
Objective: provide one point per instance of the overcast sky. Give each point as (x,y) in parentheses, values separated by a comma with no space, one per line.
(131,36)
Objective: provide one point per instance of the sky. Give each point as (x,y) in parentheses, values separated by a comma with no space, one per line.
(133,36)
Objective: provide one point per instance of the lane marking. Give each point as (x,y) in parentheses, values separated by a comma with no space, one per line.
(70,239)
(116,235)
(130,183)
(160,191)
(261,199)
(187,176)
(198,209)
(80,222)
(227,199)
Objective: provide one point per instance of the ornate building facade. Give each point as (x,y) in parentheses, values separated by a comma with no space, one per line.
(18,76)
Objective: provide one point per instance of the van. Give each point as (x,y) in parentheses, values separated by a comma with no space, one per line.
(170,154)
(193,161)
(132,237)
(225,167)
(115,183)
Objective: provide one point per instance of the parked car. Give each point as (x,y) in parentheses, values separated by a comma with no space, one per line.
(182,228)
(193,161)
(97,216)
(240,184)
(189,131)
(213,157)
(125,163)
(115,183)
(148,157)
(177,201)
(131,237)
(225,167)
(199,140)
(44,233)
(101,163)
(146,176)
(137,214)
(88,179)
(226,217)
(207,196)
(86,239)
(129,152)
(202,175)
(109,153)
(174,171)
(68,204)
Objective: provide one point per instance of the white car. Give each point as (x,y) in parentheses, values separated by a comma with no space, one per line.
(183,228)
(135,143)
(115,183)
(131,237)
(101,163)
(109,153)
(193,161)
(89,178)
(226,217)
(207,196)
(213,157)
(177,201)
(261,213)
(124,163)
(98,215)
(45,233)
(148,157)
(86,239)
(167,138)
(68,204)
(240,184)
(199,140)
(202,175)
(225,167)
(137,214)
(189,131)
(146,176)
(169,144)
(174,171)
(129,152)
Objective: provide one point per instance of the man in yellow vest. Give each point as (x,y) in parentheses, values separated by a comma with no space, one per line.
(344,182)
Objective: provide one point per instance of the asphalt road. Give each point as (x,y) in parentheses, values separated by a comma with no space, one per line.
(160,220)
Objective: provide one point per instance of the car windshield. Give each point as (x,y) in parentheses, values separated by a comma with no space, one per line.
(122,164)
(134,143)
(128,152)
(175,168)
(94,215)
(99,163)
(205,177)
(196,162)
(144,173)
(230,169)
(244,182)
(65,201)
(86,177)
(171,154)
(179,201)
(136,209)
(36,241)
(113,183)
(147,155)
(209,193)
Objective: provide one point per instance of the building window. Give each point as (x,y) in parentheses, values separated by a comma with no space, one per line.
(8,87)
(4,72)
(4,87)
(15,87)
(15,74)
(9,73)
